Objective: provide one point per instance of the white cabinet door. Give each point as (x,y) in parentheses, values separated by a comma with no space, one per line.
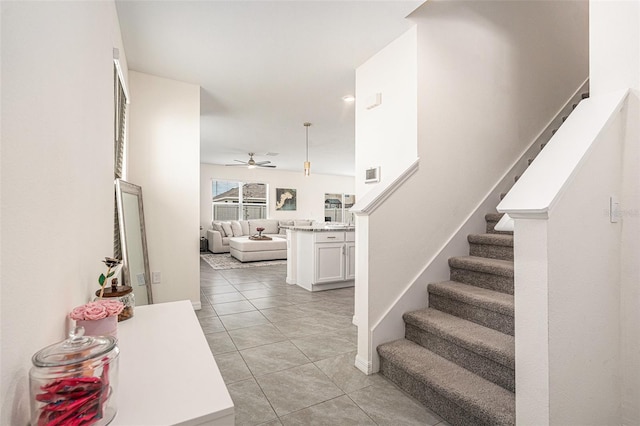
(330,262)
(350,262)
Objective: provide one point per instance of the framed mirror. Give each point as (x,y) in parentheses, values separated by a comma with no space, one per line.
(133,241)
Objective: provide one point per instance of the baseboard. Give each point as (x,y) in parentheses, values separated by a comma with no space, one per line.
(363,365)
(354,321)
(196,305)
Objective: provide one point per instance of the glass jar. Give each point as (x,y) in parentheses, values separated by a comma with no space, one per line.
(74,382)
(124,293)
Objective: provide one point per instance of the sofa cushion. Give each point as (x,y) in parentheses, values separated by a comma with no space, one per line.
(225,241)
(302,222)
(270,226)
(282,223)
(217,226)
(245,227)
(236,228)
(227,228)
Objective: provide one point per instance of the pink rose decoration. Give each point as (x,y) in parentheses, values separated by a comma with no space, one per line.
(97,310)
(113,307)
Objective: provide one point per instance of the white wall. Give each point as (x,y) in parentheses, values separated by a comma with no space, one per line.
(615,64)
(57,175)
(584,293)
(490,77)
(614,39)
(310,190)
(386,135)
(164,157)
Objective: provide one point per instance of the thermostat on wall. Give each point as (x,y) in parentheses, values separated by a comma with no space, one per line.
(372,175)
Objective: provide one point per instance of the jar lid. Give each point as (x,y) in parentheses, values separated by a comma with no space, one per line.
(75,349)
(120,290)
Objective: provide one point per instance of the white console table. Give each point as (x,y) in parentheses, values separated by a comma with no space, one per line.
(167,373)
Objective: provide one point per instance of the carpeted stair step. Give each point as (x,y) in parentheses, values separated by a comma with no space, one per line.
(453,392)
(481,350)
(489,308)
(492,220)
(493,246)
(585,95)
(493,274)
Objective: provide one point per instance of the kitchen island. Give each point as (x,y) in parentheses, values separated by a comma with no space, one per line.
(321,257)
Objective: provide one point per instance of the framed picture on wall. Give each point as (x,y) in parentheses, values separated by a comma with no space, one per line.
(286,199)
(372,175)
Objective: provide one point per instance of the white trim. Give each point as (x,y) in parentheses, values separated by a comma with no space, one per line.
(506,223)
(374,198)
(196,305)
(363,365)
(535,194)
(116,62)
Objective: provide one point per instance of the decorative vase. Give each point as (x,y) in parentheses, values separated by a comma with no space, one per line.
(103,327)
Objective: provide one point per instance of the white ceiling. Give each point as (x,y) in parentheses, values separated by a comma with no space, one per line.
(265,67)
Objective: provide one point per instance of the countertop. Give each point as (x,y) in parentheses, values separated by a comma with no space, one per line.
(325,228)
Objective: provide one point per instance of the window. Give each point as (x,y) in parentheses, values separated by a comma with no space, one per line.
(239,200)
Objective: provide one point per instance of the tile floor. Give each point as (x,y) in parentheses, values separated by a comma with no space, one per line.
(287,354)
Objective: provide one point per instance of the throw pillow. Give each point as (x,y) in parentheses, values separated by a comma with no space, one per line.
(217,226)
(236,228)
(227,228)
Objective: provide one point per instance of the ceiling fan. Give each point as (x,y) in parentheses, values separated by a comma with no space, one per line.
(252,163)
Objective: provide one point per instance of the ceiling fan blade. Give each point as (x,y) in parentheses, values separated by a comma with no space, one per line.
(237,165)
(259,163)
(243,162)
(266,165)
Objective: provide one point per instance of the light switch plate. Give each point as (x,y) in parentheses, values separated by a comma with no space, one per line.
(614,209)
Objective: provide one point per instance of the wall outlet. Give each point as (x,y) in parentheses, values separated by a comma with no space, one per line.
(156,277)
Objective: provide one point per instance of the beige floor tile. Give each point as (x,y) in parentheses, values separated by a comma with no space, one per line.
(267,359)
(338,411)
(257,335)
(232,367)
(389,406)
(251,405)
(297,388)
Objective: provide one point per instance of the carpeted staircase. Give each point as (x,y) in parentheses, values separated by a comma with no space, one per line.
(458,355)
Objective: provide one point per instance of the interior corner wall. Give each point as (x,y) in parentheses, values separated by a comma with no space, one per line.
(614,37)
(56,176)
(491,76)
(386,135)
(164,159)
(309,190)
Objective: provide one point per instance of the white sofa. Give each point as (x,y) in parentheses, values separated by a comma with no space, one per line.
(220,234)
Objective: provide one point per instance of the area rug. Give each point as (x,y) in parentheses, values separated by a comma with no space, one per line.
(225,261)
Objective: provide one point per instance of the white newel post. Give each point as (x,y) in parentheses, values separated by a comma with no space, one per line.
(531,292)
(364,358)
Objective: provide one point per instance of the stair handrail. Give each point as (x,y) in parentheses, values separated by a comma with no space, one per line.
(536,192)
(370,201)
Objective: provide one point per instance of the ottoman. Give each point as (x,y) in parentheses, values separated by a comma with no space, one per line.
(246,250)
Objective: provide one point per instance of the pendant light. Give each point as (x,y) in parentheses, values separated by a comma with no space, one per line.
(307,164)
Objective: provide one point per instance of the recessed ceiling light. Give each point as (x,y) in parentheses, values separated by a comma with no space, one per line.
(349,98)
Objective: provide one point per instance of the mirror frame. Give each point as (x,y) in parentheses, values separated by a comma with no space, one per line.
(124,187)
